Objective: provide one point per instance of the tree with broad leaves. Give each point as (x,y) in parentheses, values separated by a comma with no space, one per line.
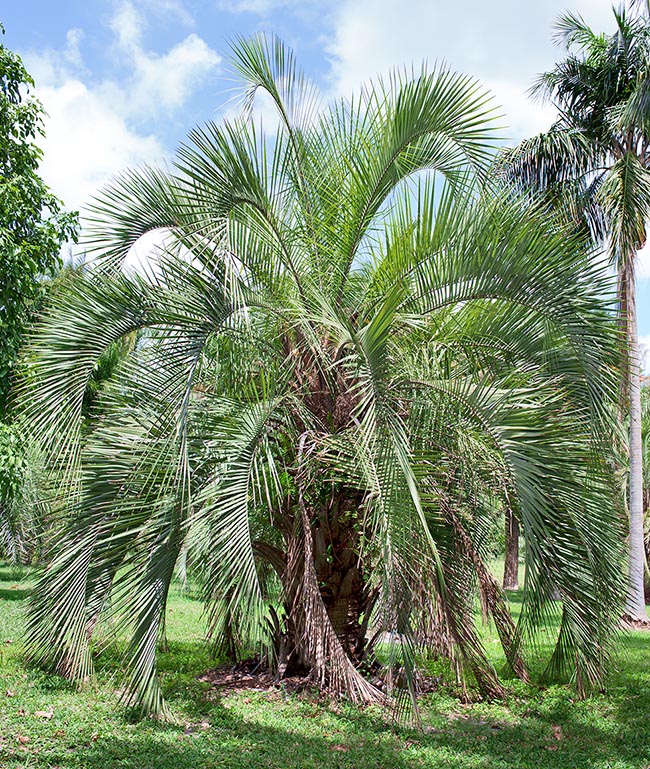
(341,372)
(33,226)
(594,166)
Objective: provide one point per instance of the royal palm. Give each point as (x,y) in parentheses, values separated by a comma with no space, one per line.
(593,164)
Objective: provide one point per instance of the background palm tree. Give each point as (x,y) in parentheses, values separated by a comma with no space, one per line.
(593,165)
(339,378)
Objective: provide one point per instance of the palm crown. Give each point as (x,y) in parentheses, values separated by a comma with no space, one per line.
(341,379)
(593,166)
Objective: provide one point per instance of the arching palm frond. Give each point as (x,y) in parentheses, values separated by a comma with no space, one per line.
(336,386)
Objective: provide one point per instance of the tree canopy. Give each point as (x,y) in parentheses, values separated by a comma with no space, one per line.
(33,225)
(346,366)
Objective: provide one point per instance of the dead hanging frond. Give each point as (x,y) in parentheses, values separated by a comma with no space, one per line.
(457,606)
(432,634)
(493,601)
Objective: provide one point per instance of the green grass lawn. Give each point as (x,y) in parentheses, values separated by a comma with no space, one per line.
(44,722)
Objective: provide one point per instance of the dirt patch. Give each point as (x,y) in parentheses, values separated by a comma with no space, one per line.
(253,676)
(630,623)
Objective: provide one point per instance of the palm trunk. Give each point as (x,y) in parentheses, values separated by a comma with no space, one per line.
(326,599)
(326,596)
(635,605)
(340,575)
(511,566)
(344,598)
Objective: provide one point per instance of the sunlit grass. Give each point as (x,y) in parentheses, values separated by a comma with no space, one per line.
(534,727)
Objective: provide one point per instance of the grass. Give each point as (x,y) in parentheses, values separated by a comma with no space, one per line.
(44,722)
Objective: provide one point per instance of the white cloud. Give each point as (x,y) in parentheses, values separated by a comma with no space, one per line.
(72,52)
(247,6)
(158,81)
(144,255)
(49,66)
(496,41)
(93,129)
(149,250)
(173,8)
(259,7)
(521,116)
(127,25)
(167,81)
(87,141)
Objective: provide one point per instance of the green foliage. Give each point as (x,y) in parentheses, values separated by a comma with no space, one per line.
(33,225)
(13,466)
(338,386)
(22,508)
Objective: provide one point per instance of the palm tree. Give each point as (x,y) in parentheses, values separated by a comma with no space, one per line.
(594,165)
(341,373)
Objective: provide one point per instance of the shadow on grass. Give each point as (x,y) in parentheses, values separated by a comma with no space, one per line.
(14,572)
(555,735)
(232,743)
(13,593)
(179,667)
(546,729)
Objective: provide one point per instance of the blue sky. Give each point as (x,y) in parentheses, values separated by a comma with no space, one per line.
(123,81)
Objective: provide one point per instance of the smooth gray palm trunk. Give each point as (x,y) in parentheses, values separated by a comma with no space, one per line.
(635,605)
